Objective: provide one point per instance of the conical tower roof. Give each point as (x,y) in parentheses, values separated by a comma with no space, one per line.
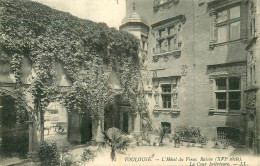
(134,17)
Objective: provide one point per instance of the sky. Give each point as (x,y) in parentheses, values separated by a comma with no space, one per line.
(110,12)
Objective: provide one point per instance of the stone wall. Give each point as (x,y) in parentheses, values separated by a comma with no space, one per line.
(191,67)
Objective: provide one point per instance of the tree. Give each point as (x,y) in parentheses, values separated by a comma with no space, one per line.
(116,141)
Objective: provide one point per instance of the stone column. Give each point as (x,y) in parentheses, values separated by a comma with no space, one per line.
(213,29)
(121,120)
(32,154)
(30,123)
(1,117)
(99,136)
(137,127)
(129,123)
(33,142)
(94,128)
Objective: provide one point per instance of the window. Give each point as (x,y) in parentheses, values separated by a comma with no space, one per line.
(166,40)
(228,93)
(166,96)
(228,133)
(228,24)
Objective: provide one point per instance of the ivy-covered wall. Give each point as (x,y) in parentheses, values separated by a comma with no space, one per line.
(54,56)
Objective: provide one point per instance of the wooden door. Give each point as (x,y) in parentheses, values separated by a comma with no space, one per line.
(74,123)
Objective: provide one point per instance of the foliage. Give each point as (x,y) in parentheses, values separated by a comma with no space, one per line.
(116,141)
(202,139)
(187,132)
(88,52)
(48,153)
(162,132)
(13,128)
(143,137)
(87,155)
(66,157)
(176,137)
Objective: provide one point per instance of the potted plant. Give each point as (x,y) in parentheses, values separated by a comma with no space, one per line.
(177,140)
(116,141)
(216,143)
(203,141)
(226,144)
(162,132)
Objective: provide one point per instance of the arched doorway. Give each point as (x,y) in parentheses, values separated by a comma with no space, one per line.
(56,123)
(14,131)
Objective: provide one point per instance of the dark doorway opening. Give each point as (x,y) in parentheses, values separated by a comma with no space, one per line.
(110,118)
(79,128)
(86,128)
(14,131)
(166,126)
(251,140)
(125,122)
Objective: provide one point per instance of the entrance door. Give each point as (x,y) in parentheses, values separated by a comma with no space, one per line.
(86,129)
(80,128)
(125,122)
(74,128)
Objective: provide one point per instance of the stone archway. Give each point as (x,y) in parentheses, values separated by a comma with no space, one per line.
(15,138)
(56,123)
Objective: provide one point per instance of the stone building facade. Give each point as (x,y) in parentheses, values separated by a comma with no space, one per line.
(197,57)
(253,94)
(71,127)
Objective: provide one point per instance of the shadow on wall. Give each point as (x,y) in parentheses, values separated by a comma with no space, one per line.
(236,52)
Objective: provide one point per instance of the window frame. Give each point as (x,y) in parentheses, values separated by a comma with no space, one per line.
(228,22)
(227,91)
(251,22)
(168,94)
(165,35)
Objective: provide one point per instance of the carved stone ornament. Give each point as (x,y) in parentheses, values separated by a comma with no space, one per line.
(179,44)
(228,70)
(156,98)
(165,58)
(160,5)
(155,58)
(156,113)
(156,107)
(174,98)
(156,83)
(184,70)
(251,115)
(251,100)
(174,114)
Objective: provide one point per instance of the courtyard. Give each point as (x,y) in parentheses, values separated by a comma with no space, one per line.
(167,154)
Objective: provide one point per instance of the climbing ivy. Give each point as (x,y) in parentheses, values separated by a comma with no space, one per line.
(46,37)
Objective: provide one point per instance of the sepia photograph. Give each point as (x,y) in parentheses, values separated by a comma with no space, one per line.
(129,83)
